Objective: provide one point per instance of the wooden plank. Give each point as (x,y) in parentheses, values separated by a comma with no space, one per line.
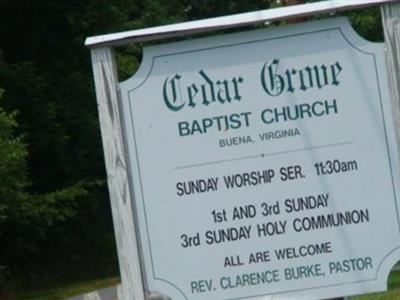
(106,82)
(391,26)
(233,21)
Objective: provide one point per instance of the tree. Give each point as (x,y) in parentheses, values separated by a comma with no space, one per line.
(13,167)
(49,83)
(25,219)
(13,174)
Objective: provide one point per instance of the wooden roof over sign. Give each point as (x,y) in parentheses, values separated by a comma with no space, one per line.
(232,21)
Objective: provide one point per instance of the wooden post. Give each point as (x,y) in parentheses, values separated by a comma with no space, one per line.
(106,83)
(391,26)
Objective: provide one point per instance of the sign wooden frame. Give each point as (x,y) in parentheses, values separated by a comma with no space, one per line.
(107,93)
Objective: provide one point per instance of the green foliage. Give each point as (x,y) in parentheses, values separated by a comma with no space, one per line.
(29,223)
(159,12)
(13,178)
(25,219)
(368,23)
(34,227)
(49,196)
(199,9)
(12,165)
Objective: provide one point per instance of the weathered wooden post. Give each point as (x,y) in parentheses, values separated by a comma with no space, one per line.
(106,82)
(391,25)
(117,104)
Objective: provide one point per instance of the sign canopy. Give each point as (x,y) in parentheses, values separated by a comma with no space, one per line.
(231,21)
(264,164)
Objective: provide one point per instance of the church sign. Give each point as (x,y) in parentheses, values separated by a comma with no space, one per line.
(264,163)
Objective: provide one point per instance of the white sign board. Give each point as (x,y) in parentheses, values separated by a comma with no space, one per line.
(264,164)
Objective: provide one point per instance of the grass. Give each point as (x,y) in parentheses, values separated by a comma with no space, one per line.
(393,292)
(67,291)
(389,295)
